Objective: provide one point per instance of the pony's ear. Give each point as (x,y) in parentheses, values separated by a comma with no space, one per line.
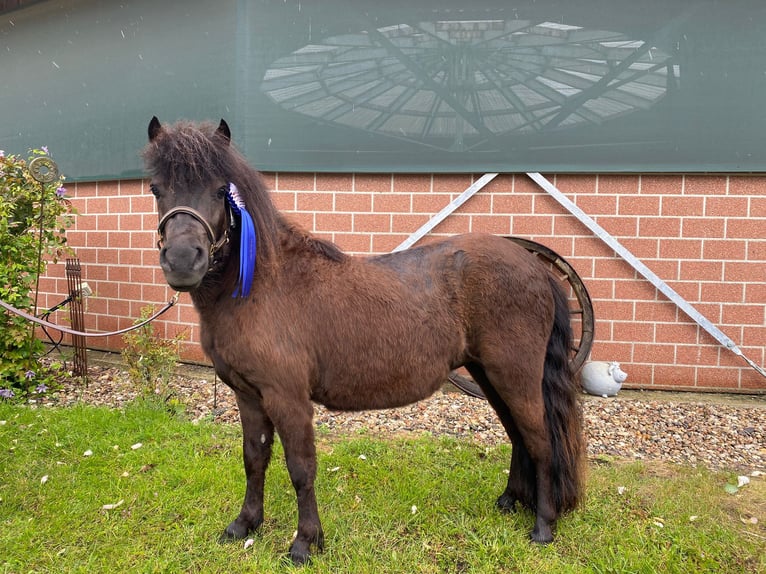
(224,131)
(154,128)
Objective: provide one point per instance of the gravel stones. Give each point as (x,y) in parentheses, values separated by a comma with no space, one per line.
(718,432)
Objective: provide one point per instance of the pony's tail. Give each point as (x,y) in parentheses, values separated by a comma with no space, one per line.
(563,415)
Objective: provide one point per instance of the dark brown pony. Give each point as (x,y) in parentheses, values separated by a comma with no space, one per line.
(357,333)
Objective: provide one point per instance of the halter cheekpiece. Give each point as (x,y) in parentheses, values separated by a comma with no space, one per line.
(234,204)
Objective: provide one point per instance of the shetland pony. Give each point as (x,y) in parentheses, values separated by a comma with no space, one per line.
(287,318)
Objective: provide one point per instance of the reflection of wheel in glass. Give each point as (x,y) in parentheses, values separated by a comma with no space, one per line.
(457,84)
(580,309)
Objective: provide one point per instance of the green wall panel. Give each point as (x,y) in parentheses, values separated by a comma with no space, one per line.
(343,85)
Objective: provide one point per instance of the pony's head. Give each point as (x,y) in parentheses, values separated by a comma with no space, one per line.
(188,180)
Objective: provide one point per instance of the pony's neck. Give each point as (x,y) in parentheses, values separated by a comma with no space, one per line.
(295,241)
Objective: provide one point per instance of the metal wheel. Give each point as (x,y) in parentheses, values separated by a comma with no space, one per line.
(580,309)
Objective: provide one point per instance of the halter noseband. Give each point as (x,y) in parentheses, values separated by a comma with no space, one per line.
(234,205)
(215,244)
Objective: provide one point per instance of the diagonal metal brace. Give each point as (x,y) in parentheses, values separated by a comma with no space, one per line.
(639,266)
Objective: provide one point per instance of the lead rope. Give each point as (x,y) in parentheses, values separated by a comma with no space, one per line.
(50,325)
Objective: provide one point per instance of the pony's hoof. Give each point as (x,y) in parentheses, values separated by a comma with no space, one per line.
(542,536)
(237,530)
(299,554)
(506,503)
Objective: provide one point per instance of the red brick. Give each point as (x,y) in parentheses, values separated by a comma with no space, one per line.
(758,207)
(743,314)
(705,184)
(95,205)
(724,249)
(86,190)
(142,204)
(747,185)
(296,182)
(478,203)
(640,247)
(405,223)
(387,243)
(430,203)
(118,240)
(334,182)
(512,203)
(392,202)
(681,333)
(639,375)
(618,184)
(704,227)
(354,242)
(639,205)
(106,188)
(451,183)
(372,223)
(726,206)
(545,204)
(697,355)
(632,331)
(721,291)
(653,354)
(496,224)
(756,250)
(683,205)
(284,200)
(701,271)
(412,183)
(717,378)
(616,310)
(744,271)
(618,226)
(674,376)
(575,183)
(355,202)
(524,225)
(608,351)
(681,248)
(371,182)
(637,289)
(746,228)
(107,222)
(502,184)
(333,222)
(661,184)
(454,224)
(597,204)
(750,380)
(656,311)
(569,225)
(755,293)
(314,201)
(659,227)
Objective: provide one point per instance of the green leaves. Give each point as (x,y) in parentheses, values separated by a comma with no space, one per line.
(33,219)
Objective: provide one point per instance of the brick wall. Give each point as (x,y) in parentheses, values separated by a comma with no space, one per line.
(703,234)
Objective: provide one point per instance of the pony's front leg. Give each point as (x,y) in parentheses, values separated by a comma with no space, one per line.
(294,423)
(257,438)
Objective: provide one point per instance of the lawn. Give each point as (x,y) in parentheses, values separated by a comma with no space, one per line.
(88,489)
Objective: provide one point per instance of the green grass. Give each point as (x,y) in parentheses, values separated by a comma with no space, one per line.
(186,483)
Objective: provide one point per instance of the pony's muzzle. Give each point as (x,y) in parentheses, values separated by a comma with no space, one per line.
(184,266)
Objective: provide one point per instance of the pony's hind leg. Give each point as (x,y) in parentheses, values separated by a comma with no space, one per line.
(521,408)
(257,438)
(521,486)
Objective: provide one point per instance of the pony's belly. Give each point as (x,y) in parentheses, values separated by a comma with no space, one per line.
(371,394)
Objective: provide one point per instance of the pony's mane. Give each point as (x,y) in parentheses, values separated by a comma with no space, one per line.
(188,153)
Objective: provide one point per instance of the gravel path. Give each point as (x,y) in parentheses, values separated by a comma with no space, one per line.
(716,431)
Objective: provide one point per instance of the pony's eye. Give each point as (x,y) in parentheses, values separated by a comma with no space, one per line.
(155,190)
(222,191)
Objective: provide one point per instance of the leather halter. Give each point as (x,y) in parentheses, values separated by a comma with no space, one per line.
(215,244)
